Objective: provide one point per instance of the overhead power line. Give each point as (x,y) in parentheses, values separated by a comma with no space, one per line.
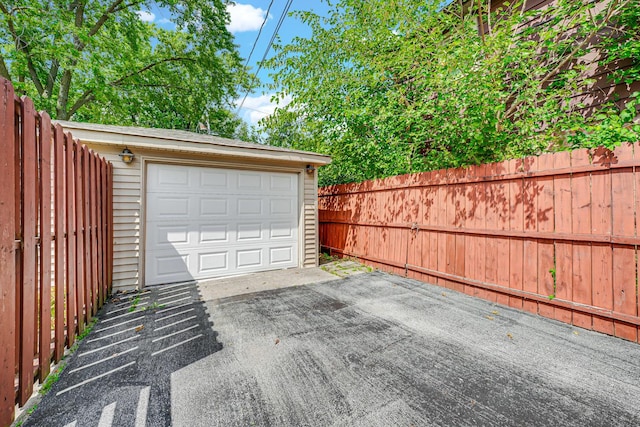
(283,15)
(264,21)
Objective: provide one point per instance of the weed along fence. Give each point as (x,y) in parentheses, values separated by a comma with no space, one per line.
(554,235)
(55,244)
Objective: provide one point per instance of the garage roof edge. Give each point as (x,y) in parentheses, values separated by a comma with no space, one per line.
(185,141)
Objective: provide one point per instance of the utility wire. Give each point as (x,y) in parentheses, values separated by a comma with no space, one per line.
(266,52)
(266,17)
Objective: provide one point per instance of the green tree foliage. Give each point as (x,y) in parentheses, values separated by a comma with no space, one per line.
(96,60)
(392,87)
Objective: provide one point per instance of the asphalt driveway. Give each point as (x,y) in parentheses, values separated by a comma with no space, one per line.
(367,350)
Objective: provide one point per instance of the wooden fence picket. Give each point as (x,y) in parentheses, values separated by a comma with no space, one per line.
(45,279)
(8,252)
(29,252)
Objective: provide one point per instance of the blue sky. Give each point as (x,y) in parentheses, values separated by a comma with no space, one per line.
(246,18)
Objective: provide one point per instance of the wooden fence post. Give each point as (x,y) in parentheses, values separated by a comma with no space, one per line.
(29,221)
(7,252)
(80,266)
(94,233)
(88,266)
(44,336)
(60,235)
(70,220)
(110,229)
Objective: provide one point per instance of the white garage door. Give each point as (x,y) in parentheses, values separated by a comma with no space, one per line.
(209,222)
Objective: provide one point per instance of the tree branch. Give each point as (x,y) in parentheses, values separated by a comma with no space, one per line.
(489,17)
(148,67)
(128,5)
(79,19)
(86,97)
(4,72)
(89,96)
(103,18)
(481,21)
(63,96)
(51,78)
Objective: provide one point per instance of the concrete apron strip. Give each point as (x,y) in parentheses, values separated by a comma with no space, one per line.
(176,345)
(87,381)
(88,352)
(173,315)
(115,333)
(175,323)
(174,333)
(119,324)
(106,418)
(97,362)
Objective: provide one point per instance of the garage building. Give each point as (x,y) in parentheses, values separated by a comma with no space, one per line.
(192,206)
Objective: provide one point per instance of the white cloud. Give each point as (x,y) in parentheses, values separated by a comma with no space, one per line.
(245,17)
(146,16)
(258,107)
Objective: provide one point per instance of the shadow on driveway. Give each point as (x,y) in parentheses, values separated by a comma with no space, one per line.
(120,374)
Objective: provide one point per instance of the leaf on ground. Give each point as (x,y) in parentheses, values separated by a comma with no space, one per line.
(489,317)
(444,294)
(494,312)
(277,341)
(509,335)
(139,328)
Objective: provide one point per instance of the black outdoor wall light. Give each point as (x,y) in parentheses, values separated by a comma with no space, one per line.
(127,156)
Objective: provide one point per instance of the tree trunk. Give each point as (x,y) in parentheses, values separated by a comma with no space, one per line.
(63,96)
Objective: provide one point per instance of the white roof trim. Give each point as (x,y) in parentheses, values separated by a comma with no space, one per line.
(186,142)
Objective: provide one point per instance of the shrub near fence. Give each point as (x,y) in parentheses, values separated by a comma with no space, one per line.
(55,244)
(554,235)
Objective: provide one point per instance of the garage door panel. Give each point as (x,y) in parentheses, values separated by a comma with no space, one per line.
(212,222)
(169,178)
(282,184)
(251,231)
(282,255)
(171,263)
(213,262)
(281,230)
(215,233)
(250,206)
(167,235)
(250,181)
(174,207)
(249,258)
(281,207)
(214,180)
(211,207)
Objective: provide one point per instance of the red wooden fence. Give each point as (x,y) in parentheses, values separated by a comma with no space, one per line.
(55,244)
(554,235)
